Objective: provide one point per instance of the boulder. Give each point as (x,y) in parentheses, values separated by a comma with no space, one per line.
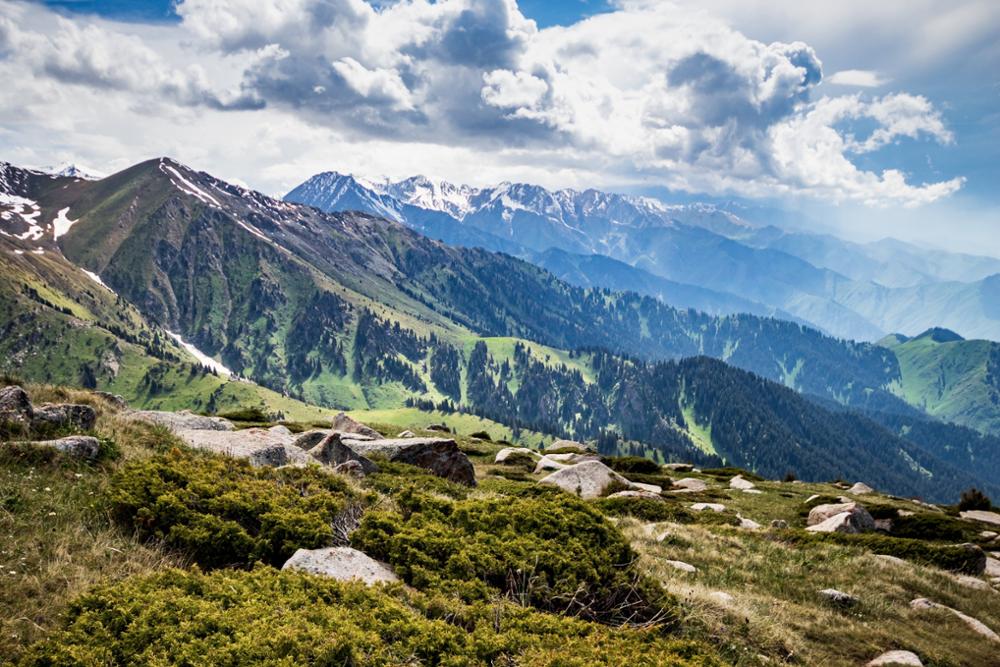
(845,522)
(80,446)
(688,485)
(739,482)
(921,604)
(346,424)
(748,524)
(441,456)
(547,463)
(681,565)
(342,564)
(982,516)
(572,458)
(578,447)
(406,434)
(15,407)
(333,451)
(860,489)
(858,520)
(356,437)
(309,439)
(972,582)
(992,567)
(838,598)
(590,479)
(648,488)
(184,420)
(779,524)
(714,507)
(508,453)
(64,415)
(679,467)
(896,659)
(261,446)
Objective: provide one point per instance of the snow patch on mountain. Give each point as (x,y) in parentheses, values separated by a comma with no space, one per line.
(62,223)
(186,186)
(202,358)
(97,279)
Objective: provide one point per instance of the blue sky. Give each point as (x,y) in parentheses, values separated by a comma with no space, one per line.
(778,103)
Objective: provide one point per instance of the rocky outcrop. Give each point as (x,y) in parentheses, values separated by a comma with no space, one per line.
(260,446)
(309,439)
(860,489)
(566,445)
(740,483)
(983,516)
(15,408)
(511,454)
(333,451)
(342,564)
(406,434)
(439,428)
(896,659)
(590,479)
(688,485)
(921,604)
(679,467)
(636,493)
(79,446)
(840,518)
(346,424)
(64,416)
(441,456)
(184,420)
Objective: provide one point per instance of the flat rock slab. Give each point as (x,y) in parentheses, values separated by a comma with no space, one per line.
(441,456)
(741,483)
(569,444)
(992,567)
(507,452)
(679,467)
(860,489)
(974,624)
(688,485)
(991,518)
(681,565)
(79,446)
(342,564)
(897,658)
(590,479)
(649,488)
(262,447)
(183,420)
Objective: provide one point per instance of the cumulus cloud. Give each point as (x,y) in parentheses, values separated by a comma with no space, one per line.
(862,78)
(651,92)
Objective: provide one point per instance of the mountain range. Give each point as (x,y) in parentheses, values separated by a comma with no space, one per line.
(111,283)
(716,261)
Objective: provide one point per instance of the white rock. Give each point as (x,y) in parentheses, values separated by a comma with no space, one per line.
(636,493)
(992,567)
(183,420)
(406,434)
(860,489)
(579,447)
(508,452)
(753,491)
(839,597)
(901,658)
(739,482)
(976,625)
(972,582)
(749,524)
(589,479)
(342,564)
(983,516)
(572,458)
(681,565)
(547,463)
(649,488)
(715,507)
(891,560)
(841,518)
(688,485)
(722,597)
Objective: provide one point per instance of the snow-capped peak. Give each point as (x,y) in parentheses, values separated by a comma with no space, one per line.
(77,171)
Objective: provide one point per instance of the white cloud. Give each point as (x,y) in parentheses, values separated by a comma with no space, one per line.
(651,93)
(863,78)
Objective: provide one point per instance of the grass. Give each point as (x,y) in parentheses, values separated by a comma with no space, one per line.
(415,419)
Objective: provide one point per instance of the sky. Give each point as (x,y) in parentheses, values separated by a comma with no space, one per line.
(853,117)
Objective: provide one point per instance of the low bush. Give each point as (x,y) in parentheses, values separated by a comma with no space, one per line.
(521,460)
(221,511)
(932,527)
(232,617)
(645,509)
(974,499)
(730,472)
(632,464)
(482,435)
(393,478)
(955,558)
(555,553)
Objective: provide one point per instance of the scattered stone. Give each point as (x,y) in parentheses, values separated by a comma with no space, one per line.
(988,534)
(896,659)
(975,625)
(755,492)
(342,564)
(578,447)
(590,479)
(722,597)
(64,415)
(406,434)
(636,493)
(507,452)
(441,456)
(779,524)
(309,439)
(15,407)
(839,598)
(333,451)
(860,489)
(440,428)
(841,518)
(715,507)
(80,446)
(345,424)
(681,565)
(679,467)
(749,524)
(648,488)
(904,513)
(688,485)
(739,482)
(992,567)
(185,420)
(261,446)
(983,516)
(351,469)
(972,582)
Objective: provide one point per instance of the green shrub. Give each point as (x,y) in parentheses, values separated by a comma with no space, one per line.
(932,527)
(730,472)
(632,464)
(521,460)
(482,435)
(974,499)
(222,511)
(263,616)
(555,553)
(955,558)
(247,414)
(645,509)
(393,478)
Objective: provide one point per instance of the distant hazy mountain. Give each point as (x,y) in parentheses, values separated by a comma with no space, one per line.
(859,291)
